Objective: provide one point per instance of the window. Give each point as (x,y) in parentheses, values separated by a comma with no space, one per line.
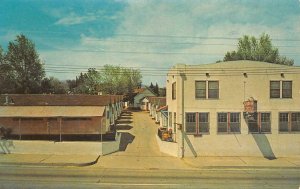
(274,89)
(174,122)
(283,122)
(190,123)
(170,119)
(200,89)
(280,89)
(213,89)
(235,122)
(265,122)
(295,126)
(197,123)
(289,122)
(174,91)
(260,123)
(203,122)
(222,122)
(229,122)
(286,89)
(210,92)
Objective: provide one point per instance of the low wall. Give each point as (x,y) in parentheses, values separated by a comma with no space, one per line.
(59,148)
(170,148)
(265,145)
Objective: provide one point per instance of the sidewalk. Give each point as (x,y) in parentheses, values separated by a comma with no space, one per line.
(239,162)
(154,163)
(48,160)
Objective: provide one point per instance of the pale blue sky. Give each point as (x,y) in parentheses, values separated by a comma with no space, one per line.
(73,35)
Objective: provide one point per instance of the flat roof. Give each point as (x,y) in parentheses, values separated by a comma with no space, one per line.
(51,111)
(59,100)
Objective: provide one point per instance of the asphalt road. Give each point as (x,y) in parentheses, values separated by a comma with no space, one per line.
(87,177)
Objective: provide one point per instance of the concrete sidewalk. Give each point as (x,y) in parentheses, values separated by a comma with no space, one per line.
(48,160)
(154,163)
(235,162)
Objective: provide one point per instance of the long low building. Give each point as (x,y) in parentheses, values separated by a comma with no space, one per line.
(46,115)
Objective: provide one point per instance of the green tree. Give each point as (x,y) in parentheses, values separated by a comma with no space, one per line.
(109,80)
(53,85)
(7,75)
(26,65)
(250,48)
(156,89)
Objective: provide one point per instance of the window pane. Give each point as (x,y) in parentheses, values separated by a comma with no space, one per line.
(295,121)
(283,122)
(190,123)
(213,89)
(200,89)
(274,89)
(203,123)
(286,89)
(265,122)
(222,122)
(235,122)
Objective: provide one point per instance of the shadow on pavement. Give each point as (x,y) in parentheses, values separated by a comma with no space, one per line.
(126,138)
(264,146)
(124,121)
(123,127)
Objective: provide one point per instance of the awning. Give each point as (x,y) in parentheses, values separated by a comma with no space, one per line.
(51,111)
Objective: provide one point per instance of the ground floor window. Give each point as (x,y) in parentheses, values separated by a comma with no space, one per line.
(260,123)
(190,123)
(229,122)
(197,123)
(289,122)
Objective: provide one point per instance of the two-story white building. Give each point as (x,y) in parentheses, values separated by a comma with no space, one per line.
(211,114)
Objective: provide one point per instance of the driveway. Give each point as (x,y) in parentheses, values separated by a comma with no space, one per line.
(139,149)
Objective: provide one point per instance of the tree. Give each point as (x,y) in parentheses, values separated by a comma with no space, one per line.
(27,68)
(53,86)
(156,89)
(7,75)
(110,80)
(250,48)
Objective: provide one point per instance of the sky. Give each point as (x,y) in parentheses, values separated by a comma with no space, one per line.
(74,35)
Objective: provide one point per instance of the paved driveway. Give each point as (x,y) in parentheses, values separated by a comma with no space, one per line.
(139,149)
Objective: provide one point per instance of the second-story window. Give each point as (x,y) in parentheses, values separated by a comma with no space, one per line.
(174,91)
(207,89)
(213,89)
(286,89)
(200,89)
(281,89)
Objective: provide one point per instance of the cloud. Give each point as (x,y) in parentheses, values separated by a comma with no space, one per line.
(159,34)
(73,19)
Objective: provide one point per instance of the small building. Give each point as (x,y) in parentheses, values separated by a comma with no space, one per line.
(156,104)
(236,108)
(59,115)
(140,95)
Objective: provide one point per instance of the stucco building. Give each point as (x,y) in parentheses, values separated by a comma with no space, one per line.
(238,108)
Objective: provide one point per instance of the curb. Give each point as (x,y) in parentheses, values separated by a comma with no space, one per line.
(54,164)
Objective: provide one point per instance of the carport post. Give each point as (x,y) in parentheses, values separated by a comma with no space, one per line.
(20,134)
(60,129)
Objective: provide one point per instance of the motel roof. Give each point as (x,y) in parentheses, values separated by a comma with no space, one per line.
(234,67)
(59,100)
(51,111)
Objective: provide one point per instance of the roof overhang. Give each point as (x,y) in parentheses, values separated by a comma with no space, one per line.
(51,111)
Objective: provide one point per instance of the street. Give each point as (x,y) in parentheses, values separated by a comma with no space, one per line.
(87,177)
(140,164)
